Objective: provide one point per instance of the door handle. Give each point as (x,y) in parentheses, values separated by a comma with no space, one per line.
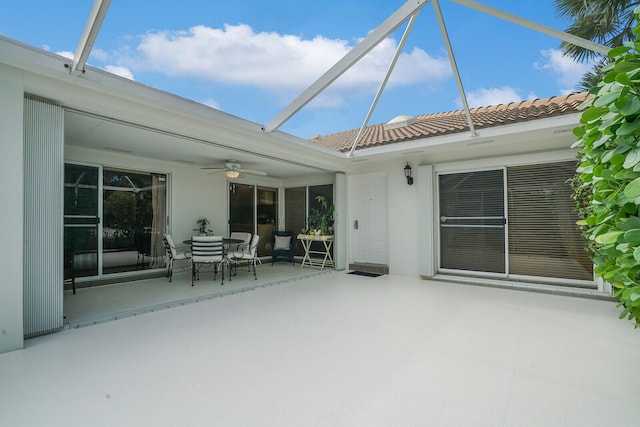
(355,224)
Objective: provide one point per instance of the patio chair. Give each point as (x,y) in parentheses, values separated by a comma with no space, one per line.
(250,255)
(230,248)
(173,254)
(207,250)
(240,235)
(282,242)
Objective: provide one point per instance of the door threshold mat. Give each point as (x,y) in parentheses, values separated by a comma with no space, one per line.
(364,273)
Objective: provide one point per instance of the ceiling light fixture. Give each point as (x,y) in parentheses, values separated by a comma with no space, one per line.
(232,174)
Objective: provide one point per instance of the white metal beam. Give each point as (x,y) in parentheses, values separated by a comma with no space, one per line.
(354,55)
(569,38)
(98,12)
(392,65)
(454,65)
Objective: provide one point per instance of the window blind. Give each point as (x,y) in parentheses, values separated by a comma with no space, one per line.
(543,236)
(472,221)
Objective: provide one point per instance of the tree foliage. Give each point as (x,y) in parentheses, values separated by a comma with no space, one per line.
(609,23)
(609,172)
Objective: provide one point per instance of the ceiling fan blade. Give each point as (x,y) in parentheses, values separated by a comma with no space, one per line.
(253,172)
(234,166)
(214,172)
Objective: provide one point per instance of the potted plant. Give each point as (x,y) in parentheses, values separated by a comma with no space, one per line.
(313,221)
(321,220)
(203,227)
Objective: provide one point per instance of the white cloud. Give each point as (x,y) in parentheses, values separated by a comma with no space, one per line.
(66,54)
(281,63)
(120,71)
(566,71)
(100,55)
(484,97)
(414,67)
(328,99)
(211,103)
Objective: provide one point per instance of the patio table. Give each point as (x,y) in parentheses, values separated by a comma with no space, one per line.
(226,241)
(327,259)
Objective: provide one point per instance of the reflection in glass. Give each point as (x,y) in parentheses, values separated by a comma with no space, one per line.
(267,220)
(81,219)
(134,212)
(472,230)
(241,210)
(295,213)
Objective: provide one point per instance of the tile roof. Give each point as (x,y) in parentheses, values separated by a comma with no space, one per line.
(438,124)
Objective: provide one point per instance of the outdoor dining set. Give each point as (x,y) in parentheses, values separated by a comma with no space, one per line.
(214,251)
(222,252)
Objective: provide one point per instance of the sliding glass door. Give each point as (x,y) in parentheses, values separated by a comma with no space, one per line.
(299,201)
(241,208)
(543,237)
(134,213)
(472,221)
(254,210)
(114,219)
(267,220)
(517,222)
(81,219)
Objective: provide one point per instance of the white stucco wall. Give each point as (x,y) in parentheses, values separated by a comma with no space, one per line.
(407,212)
(402,215)
(403,222)
(11,226)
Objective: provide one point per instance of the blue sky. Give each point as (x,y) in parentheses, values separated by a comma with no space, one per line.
(251,58)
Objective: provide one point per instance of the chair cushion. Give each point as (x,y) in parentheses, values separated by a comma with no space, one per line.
(282,242)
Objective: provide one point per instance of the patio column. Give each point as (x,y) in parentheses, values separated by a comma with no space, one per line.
(426,233)
(340,223)
(43,222)
(11,226)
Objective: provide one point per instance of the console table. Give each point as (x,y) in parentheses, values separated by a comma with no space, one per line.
(326,260)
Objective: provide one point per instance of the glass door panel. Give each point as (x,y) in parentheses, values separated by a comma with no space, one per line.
(267,218)
(472,221)
(81,219)
(313,203)
(134,212)
(544,240)
(241,208)
(295,208)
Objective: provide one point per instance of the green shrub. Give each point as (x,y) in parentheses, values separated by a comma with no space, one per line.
(609,172)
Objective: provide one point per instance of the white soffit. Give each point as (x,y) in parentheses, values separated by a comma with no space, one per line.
(553,128)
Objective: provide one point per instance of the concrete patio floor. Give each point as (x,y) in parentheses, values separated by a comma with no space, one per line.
(337,350)
(99,304)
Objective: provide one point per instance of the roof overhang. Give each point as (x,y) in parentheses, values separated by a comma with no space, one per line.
(107,112)
(548,134)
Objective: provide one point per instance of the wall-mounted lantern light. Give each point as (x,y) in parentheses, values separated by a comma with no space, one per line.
(407,174)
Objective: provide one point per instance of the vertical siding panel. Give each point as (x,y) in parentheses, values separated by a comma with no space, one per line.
(43,222)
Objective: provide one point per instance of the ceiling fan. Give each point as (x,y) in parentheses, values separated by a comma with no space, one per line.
(232,169)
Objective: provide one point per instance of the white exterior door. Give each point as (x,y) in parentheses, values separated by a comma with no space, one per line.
(368,219)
